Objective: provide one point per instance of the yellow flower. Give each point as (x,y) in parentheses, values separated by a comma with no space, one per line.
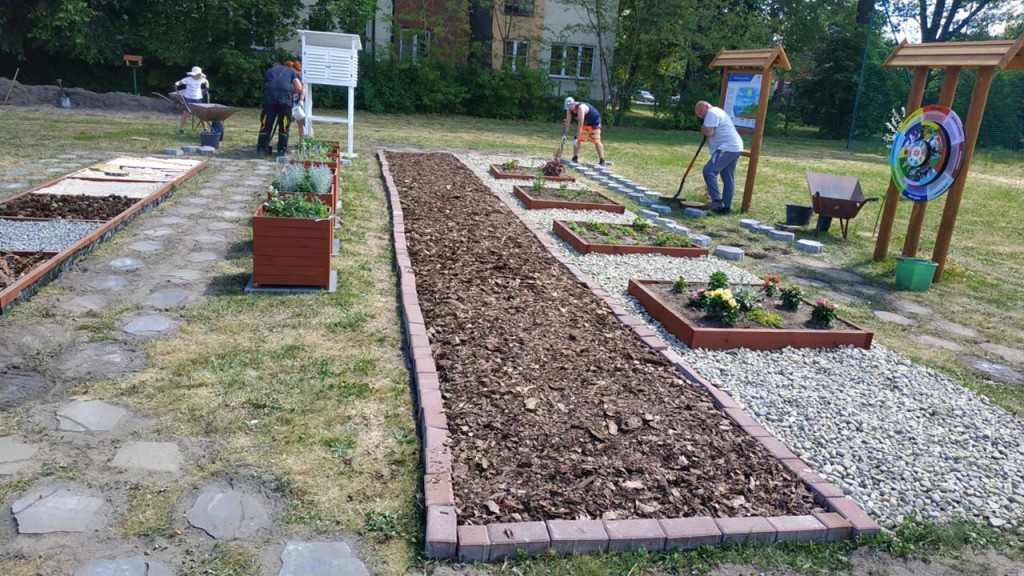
(726,294)
(733,303)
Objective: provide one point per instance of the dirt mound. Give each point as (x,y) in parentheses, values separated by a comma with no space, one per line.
(25,95)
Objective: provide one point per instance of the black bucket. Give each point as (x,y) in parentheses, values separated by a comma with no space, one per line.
(797,215)
(209,139)
(824,223)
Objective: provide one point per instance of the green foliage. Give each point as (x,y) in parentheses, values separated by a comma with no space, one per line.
(641,224)
(563,188)
(791,297)
(510,165)
(718,280)
(824,312)
(672,239)
(765,318)
(600,227)
(311,150)
(538,183)
(321,179)
(680,285)
(576,228)
(722,306)
(745,297)
(295,206)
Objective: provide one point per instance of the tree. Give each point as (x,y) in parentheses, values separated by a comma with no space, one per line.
(944,20)
(598,19)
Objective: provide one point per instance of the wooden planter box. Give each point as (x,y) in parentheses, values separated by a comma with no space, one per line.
(522,173)
(523,193)
(584,247)
(752,338)
(291,251)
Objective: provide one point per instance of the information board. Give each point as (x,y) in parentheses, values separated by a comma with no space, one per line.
(742,95)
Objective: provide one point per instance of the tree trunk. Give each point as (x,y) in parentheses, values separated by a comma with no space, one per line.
(864,8)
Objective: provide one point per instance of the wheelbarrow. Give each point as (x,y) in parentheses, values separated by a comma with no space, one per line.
(212,114)
(838,197)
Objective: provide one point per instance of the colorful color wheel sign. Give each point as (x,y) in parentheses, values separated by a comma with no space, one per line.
(927,153)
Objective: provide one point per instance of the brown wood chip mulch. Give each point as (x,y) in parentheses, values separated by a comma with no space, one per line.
(555,408)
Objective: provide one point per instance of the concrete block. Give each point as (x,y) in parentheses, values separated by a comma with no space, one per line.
(506,539)
(578,536)
(665,222)
(781,235)
(700,240)
(474,544)
(764,229)
(636,196)
(652,196)
(690,533)
(729,253)
(173,152)
(207,150)
(810,246)
(695,212)
(746,530)
(748,223)
(798,529)
(680,229)
(632,535)
(190,149)
(661,208)
(442,535)
(649,214)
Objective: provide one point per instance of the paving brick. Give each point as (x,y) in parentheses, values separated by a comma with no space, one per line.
(782,235)
(418,339)
(700,240)
(578,536)
(776,448)
(837,527)
(530,537)
(437,490)
(863,525)
(809,246)
(630,320)
(740,417)
(422,354)
(729,253)
(442,535)
(756,431)
(746,530)
(798,529)
(634,534)
(432,415)
(695,212)
(655,343)
(825,491)
(426,378)
(474,544)
(722,399)
(690,533)
(643,331)
(749,223)
(437,457)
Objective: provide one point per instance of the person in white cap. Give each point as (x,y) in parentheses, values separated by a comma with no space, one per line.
(194,83)
(588,121)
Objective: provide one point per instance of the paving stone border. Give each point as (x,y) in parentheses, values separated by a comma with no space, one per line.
(493,542)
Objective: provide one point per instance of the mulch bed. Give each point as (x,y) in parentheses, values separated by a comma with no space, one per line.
(14,266)
(67,206)
(555,408)
(626,234)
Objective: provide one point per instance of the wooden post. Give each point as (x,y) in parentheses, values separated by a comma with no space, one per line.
(892,195)
(755,145)
(971,128)
(913,239)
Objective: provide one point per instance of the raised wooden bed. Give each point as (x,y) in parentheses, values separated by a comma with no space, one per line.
(696,336)
(525,173)
(523,193)
(584,247)
(291,251)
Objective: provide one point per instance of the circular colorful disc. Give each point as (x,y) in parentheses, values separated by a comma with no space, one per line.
(927,153)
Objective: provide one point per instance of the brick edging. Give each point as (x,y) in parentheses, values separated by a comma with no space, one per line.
(475,543)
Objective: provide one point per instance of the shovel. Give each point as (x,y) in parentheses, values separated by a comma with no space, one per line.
(683,181)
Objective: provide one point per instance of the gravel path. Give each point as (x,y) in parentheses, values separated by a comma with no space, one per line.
(45,236)
(901,439)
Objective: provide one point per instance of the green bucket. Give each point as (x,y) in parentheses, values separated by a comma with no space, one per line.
(915,274)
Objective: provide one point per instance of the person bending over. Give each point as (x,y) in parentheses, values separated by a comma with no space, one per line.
(588,121)
(279,83)
(725,146)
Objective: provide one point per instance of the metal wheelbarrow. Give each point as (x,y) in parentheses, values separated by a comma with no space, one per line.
(837,197)
(213,115)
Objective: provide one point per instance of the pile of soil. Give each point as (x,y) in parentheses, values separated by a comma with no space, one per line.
(25,95)
(581,195)
(556,409)
(67,206)
(627,235)
(13,267)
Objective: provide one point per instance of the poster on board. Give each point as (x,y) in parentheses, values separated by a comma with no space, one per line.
(742,94)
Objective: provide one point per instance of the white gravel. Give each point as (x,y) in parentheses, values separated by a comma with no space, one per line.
(901,439)
(42,236)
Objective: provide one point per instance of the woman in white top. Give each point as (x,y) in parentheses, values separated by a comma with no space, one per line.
(193,83)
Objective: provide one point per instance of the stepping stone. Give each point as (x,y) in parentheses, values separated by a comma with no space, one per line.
(908,307)
(89,416)
(228,515)
(158,232)
(954,328)
(188,210)
(1014,355)
(14,455)
(638,196)
(15,173)
(173,152)
(152,456)
(649,214)
(67,156)
(810,282)
(700,240)
(661,208)
(185,275)
(46,510)
(939,343)
(893,318)
(13,185)
(100,361)
(764,229)
(222,226)
(148,325)
(145,246)
(207,150)
(680,229)
(190,149)
(810,246)
(166,298)
(201,257)
(86,303)
(831,295)
(729,253)
(209,239)
(232,214)
(240,198)
(200,201)
(653,197)
(320,559)
(172,220)
(135,566)
(993,370)
(849,278)
(748,223)
(695,212)
(867,289)
(781,235)
(665,222)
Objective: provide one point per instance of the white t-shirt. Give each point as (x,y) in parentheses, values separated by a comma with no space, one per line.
(725,138)
(193,87)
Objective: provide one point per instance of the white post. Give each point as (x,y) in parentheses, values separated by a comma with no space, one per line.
(307,105)
(351,118)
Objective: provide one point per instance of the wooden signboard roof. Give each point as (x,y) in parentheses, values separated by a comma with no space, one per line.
(999,54)
(754,59)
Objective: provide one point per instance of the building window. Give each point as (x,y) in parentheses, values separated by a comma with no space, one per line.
(568,61)
(414,44)
(519,7)
(516,54)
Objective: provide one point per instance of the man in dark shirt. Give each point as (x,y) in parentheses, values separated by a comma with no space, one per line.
(279,83)
(588,121)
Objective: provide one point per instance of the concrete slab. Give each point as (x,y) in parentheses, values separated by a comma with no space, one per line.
(47,510)
(993,370)
(15,455)
(152,456)
(125,264)
(320,559)
(893,318)
(89,416)
(695,212)
(100,361)
(939,343)
(201,257)
(729,253)
(135,566)
(649,214)
(1012,355)
(700,240)
(148,325)
(184,276)
(661,208)
(957,329)
(87,303)
(908,307)
(221,226)
(781,235)
(228,515)
(810,246)
(166,298)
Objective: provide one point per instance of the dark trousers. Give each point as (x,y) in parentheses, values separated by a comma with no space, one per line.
(274,110)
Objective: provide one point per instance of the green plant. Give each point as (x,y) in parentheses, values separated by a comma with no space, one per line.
(718,280)
(295,206)
(310,150)
(722,306)
(510,166)
(599,227)
(680,285)
(321,179)
(746,298)
(771,286)
(765,318)
(538,183)
(641,224)
(791,297)
(824,312)
(671,239)
(576,227)
(290,177)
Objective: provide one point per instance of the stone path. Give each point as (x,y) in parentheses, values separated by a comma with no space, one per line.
(163,262)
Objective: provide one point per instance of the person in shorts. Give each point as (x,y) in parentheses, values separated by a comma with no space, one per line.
(195,82)
(588,121)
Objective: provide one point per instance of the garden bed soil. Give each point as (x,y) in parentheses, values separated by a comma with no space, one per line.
(525,173)
(553,198)
(695,330)
(100,208)
(15,265)
(642,243)
(556,409)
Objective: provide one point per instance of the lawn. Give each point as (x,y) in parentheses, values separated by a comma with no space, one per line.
(314,390)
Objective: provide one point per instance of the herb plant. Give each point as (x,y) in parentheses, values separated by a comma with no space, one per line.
(538,184)
(641,224)
(510,166)
(310,150)
(321,178)
(765,318)
(295,206)
(680,285)
(791,297)
(718,281)
(672,240)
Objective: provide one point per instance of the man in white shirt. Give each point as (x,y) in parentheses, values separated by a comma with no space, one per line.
(725,145)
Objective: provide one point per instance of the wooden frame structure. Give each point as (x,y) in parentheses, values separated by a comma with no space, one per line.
(756,62)
(330,59)
(986,57)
